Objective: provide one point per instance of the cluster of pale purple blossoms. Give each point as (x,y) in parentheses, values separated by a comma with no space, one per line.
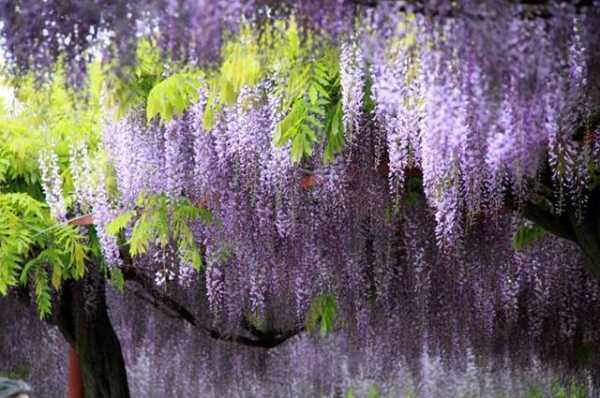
(38,34)
(352,80)
(91,197)
(483,322)
(89,193)
(52,185)
(103,212)
(474,105)
(474,123)
(477,103)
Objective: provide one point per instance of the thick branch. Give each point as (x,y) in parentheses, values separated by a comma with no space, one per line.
(558,225)
(132,274)
(165,303)
(582,231)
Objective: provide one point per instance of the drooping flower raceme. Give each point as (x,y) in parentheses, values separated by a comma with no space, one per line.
(52,184)
(352,79)
(468,109)
(477,122)
(103,212)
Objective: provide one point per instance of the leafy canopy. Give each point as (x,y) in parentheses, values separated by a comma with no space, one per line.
(33,246)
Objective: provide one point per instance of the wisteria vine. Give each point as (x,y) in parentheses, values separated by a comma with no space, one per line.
(452,120)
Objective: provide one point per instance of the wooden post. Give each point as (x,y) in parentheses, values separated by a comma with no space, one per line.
(75,381)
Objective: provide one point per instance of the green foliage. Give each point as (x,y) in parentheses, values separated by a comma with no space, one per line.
(587,354)
(172,96)
(559,390)
(16,373)
(413,191)
(184,214)
(322,311)
(131,88)
(152,224)
(527,235)
(161,220)
(160,86)
(117,278)
(307,80)
(48,117)
(571,391)
(373,392)
(32,244)
(34,248)
(242,66)
(315,115)
(120,222)
(250,57)
(42,292)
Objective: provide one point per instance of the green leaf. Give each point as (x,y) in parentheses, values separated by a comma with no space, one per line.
(57,274)
(30,265)
(314,98)
(119,223)
(116,276)
(297,148)
(208,118)
(527,235)
(323,310)
(141,235)
(42,292)
(373,392)
(172,96)
(313,95)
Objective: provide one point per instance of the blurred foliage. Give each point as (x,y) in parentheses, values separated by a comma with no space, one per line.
(50,117)
(305,79)
(558,390)
(526,235)
(131,87)
(16,373)
(35,248)
(159,220)
(172,96)
(322,313)
(161,87)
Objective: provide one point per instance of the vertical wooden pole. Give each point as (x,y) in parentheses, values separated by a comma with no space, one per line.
(75,382)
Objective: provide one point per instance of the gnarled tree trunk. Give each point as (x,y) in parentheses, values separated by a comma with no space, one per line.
(82,318)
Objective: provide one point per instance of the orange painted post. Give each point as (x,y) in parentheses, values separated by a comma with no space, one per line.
(75,382)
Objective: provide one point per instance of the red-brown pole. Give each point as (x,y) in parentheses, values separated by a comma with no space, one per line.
(75,382)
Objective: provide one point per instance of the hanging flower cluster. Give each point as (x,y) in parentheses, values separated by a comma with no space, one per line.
(478,123)
(434,326)
(52,185)
(312,192)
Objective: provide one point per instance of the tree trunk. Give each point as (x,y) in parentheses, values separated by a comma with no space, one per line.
(83,320)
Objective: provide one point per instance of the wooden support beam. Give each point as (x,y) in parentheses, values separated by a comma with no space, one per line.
(75,388)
